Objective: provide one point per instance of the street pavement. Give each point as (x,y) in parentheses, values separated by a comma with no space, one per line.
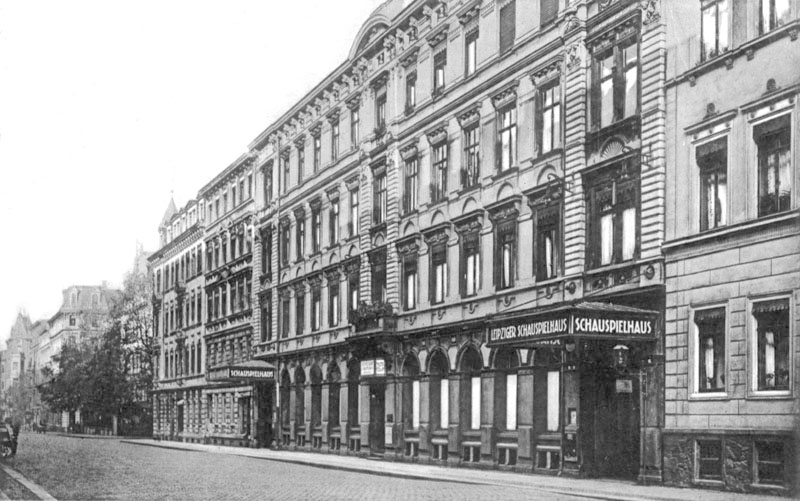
(71,467)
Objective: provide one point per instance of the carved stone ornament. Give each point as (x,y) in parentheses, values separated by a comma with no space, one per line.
(409,150)
(315,129)
(573,56)
(299,287)
(332,274)
(435,237)
(470,115)
(352,265)
(469,12)
(315,204)
(354,102)
(409,245)
(300,141)
(380,80)
(437,134)
(284,222)
(332,193)
(547,71)
(409,57)
(377,256)
(315,280)
(299,212)
(352,182)
(506,96)
(438,35)
(333,116)
(284,292)
(504,213)
(651,11)
(571,24)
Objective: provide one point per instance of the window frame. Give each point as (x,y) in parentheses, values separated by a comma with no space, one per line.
(437,253)
(410,184)
(352,224)
(439,70)
(471,51)
(554,111)
(695,391)
(411,91)
(761,156)
(380,197)
(710,164)
(753,390)
(698,459)
(506,38)
(774,22)
(300,238)
(334,311)
(548,216)
(335,135)
(706,5)
(511,130)
(316,230)
(299,311)
(615,51)
(471,172)
(470,245)
(410,269)
(333,222)
(355,125)
(439,167)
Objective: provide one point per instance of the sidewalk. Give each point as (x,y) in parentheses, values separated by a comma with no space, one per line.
(589,488)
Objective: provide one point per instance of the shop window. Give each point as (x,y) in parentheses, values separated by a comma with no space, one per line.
(439,183)
(770,462)
(614,214)
(772,355)
(410,181)
(409,281)
(773,13)
(353,401)
(439,65)
(505,389)
(548,117)
(615,82)
(508,22)
(410,395)
(334,389)
(316,396)
(439,390)
(710,350)
(470,174)
(553,385)
(471,365)
(773,139)
(507,138)
(299,398)
(438,277)
(709,459)
(285,392)
(712,160)
(471,52)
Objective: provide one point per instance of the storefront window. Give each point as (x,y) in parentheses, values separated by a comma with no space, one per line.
(439,391)
(471,365)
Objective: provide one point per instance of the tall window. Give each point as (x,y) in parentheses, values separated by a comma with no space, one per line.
(471,52)
(712,160)
(710,350)
(353,284)
(439,65)
(333,222)
(301,162)
(380,109)
(266,254)
(714,29)
(613,215)
(317,151)
(438,272)
(352,224)
(409,285)
(316,307)
(470,263)
(548,118)
(268,180)
(547,241)
(548,10)
(508,28)
(266,318)
(774,165)
(410,185)
(284,243)
(379,187)
(333,300)
(284,319)
(355,124)
(470,173)
(411,91)
(335,140)
(771,345)
(507,363)
(439,185)
(316,229)
(615,82)
(284,160)
(773,13)
(300,235)
(300,310)
(505,255)
(378,276)
(507,138)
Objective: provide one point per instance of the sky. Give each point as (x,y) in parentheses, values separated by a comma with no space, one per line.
(109,108)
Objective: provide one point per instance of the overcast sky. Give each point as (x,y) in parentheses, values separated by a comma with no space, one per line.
(108,107)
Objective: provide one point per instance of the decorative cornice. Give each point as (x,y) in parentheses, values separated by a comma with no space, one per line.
(469,115)
(315,129)
(377,256)
(437,134)
(300,141)
(352,265)
(408,245)
(315,203)
(469,11)
(332,193)
(547,70)
(380,80)
(438,35)
(315,280)
(299,212)
(505,96)
(409,57)
(504,210)
(333,116)
(332,273)
(409,150)
(354,101)
(352,182)
(470,222)
(436,234)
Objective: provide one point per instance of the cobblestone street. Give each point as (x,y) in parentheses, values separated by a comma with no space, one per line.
(75,468)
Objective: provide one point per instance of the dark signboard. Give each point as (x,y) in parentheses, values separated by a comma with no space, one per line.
(241,373)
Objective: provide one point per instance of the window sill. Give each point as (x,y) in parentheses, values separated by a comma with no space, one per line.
(610,267)
(770,395)
(709,396)
(544,157)
(506,173)
(708,482)
(412,212)
(469,189)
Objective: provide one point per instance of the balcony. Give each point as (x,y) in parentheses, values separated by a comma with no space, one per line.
(376,316)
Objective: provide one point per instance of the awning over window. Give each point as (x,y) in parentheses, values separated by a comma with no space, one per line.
(708,316)
(773,306)
(252,370)
(586,320)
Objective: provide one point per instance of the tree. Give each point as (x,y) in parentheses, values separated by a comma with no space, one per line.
(133,313)
(66,379)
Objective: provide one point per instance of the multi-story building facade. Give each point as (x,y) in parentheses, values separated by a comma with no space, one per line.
(460,228)
(733,245)
(179,311)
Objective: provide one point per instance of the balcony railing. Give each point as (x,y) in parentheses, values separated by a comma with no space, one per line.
(372,316)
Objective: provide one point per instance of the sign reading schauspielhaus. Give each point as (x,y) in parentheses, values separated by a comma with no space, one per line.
(585,320)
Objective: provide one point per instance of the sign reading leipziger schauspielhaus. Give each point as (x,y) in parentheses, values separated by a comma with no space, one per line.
(241,373)
(571,322)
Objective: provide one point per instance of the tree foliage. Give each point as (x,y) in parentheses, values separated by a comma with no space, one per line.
(134,314)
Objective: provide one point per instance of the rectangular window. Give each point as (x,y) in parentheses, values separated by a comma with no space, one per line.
(316,308)
(444,403)
(379,186)
(475,401)
(438,273)
(333,301)
(299,311)
(284,159)
(410,185)
(548,118)
(549,11)
(773,139)
(301,162)
(233,196)
(284,244)
(439,185)
(712,160)
(300,236)
(378,275)
(317,152)
(714,28)
(409,282)
(553,381)
(508,26)
(353,283)
(285,308)
(773,13)
(411,91)
(709,459)
(352,225)
(250,185)
(613,213)
(770,462)
(507,138)
(415,404)
(471,52)
(439,66)
(335,140)
(266,319)
(380,110)
(615,75)
(772,355)
(470,174)
(470,264)
(316,230)
(355,124)
(547,242)
(710,350)
(268,177)
(505,257)
(333,222)
(511,402)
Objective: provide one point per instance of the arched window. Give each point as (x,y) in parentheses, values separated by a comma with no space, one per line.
(471,365)
(334,385)
(299,395)
(506,361)
(546,377)
(285,393)
(353,373)
(316,396)
(411,391)
(439,390)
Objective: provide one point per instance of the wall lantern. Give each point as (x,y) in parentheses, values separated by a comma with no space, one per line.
(621,353)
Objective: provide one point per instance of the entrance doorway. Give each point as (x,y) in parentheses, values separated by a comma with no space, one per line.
(264,399)
(180,417)
(377,411)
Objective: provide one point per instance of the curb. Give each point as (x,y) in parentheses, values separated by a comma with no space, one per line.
(28,484)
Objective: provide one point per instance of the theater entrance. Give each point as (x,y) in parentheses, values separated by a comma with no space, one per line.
(377,410)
